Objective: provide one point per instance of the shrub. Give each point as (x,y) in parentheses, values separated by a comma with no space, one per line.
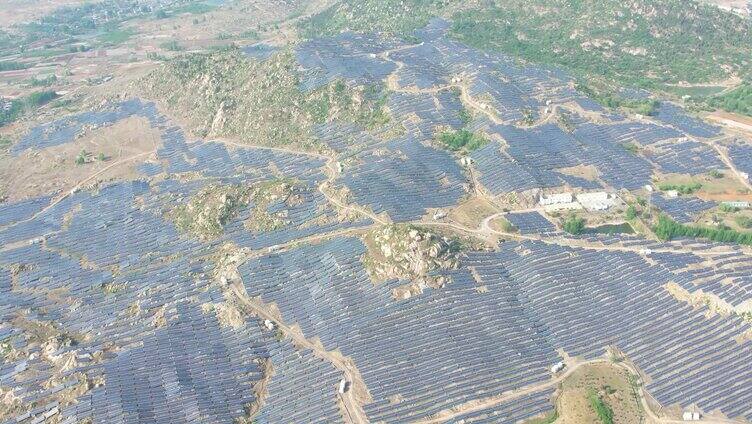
(631,212)
(81,157)
(604,412)
(574,225)
(725,207)
(744,221)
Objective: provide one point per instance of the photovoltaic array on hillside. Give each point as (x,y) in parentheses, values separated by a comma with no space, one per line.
(142,316)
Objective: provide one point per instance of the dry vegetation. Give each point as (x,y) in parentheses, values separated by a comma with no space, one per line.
(259,102)
(54,169)
(612,384)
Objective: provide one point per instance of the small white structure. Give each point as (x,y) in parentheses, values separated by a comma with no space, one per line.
(744,175)
(269,324)
(648,188)
(597,201)
(671,194)
(555,199)
(739,204)
(466,161)
(557,367)
(691,416)
(344,386)
(439,215)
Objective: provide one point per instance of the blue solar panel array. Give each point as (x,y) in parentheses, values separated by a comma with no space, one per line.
(192,370)
(19,211)
(259,51)
(530,223)
(326,290)
(741,155)
(142,293)
(676,117)
(406,180)
(512,411)
(66,129)
(687,157)
(348,56)
(584,309)
(682,209)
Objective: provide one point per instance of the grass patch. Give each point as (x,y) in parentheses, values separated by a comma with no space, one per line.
(601,408)
(744,222)
(116,36)
(172,46)
(9,65)
(259,100)
(26,105)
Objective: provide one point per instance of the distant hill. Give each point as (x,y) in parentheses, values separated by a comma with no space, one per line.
(644,43)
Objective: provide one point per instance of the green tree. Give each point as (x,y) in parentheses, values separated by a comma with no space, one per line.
(82,157)
(574,225)
(631,212)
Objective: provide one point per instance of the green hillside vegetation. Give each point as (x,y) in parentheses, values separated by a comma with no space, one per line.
(224,93)
(641,43)
(738,100)
(397,17)
(603,43)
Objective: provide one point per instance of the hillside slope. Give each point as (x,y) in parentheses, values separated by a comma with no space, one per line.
(645,43)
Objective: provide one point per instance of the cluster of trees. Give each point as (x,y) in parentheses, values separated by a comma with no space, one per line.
(24,105)
(9,65)
(574,225)
(462,140)
(688,188)
(738,100)
(667,229)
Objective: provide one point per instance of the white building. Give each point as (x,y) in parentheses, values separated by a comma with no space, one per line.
(597,201)
(738,204)
(557,367)
(691,416)
(555,199)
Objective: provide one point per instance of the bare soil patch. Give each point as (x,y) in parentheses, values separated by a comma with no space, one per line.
(54,169)
(612,384)
(471,212)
